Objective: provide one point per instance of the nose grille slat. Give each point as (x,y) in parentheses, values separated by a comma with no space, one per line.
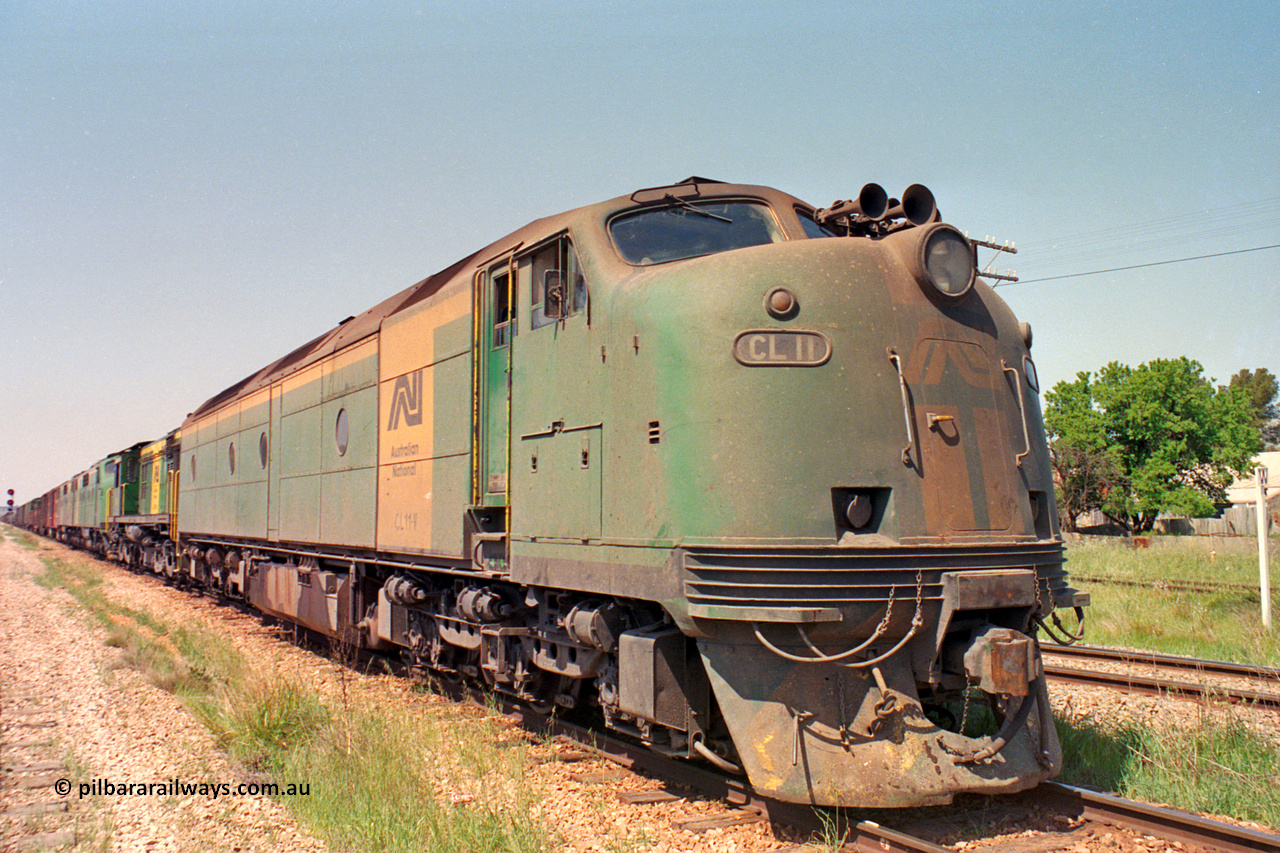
(831,577)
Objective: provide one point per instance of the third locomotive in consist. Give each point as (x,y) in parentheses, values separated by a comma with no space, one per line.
(753,483)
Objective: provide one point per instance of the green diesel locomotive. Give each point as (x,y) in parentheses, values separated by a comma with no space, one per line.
(752,482)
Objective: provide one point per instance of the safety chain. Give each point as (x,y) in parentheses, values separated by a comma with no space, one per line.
(917,621)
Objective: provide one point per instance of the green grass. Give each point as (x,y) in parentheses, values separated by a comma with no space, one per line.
(22,537)
(1218,767)
(376,780)
(1223,625)
(142,639)
(392,784)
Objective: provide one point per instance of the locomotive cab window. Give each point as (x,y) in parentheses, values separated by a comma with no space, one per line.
(554,267)
(811,227)
(689,229)
(504,326)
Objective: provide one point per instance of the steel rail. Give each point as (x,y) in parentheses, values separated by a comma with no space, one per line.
(1217,667)
(865,836)
(1163,583)
(1127,682)
(868,836)
(1165,823)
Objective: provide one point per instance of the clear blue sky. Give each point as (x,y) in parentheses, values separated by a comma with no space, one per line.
(190,190)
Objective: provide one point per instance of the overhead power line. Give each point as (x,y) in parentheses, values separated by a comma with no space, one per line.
(1245,216)
(1151,264)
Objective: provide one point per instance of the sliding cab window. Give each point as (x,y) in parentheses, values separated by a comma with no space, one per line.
(551,267)
(504,321)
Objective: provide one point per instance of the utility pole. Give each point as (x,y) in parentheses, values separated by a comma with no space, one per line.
(1264,571)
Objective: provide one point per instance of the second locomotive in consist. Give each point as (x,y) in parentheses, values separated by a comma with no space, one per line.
(755,483)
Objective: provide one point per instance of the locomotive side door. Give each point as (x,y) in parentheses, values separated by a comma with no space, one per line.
(558,411)
(495,326)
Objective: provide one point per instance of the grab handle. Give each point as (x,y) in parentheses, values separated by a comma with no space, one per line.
(906,406)
(1022,409)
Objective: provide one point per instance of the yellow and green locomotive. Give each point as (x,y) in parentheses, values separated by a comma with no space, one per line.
(755,483)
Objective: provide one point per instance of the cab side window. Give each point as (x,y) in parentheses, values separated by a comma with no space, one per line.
(558,256)
(504,325)
(811,227)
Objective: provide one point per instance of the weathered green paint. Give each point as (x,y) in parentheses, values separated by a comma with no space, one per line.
(635,457)
(495,361)
(307,491)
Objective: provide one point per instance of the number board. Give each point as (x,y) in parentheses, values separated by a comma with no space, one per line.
(774,348)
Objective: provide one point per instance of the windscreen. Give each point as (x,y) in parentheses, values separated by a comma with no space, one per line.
(689,229)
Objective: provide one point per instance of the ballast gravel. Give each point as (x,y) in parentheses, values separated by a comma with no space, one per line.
(68,702)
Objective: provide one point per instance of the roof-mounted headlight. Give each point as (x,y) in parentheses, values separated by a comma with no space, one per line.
(947,261)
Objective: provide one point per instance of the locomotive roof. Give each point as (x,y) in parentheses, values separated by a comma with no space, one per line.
(363,325)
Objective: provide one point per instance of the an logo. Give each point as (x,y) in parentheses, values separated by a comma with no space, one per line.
(406,401)
(936,358)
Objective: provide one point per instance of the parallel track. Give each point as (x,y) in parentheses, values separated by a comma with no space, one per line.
(1176,585)
(867,836)
(1158,685)
(1199,665)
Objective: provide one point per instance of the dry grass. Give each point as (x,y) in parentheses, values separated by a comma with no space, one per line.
(376,780)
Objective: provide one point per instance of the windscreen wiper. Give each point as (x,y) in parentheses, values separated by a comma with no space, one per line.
(693,208)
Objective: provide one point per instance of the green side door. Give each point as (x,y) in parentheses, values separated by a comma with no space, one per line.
(496,328)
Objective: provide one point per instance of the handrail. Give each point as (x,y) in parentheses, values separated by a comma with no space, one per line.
(906,406)
(1022,409)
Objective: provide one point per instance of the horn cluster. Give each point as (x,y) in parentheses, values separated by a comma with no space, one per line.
(873,212)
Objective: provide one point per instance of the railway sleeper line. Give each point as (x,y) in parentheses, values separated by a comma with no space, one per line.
(745,805)
(1241,670)
(1089,806)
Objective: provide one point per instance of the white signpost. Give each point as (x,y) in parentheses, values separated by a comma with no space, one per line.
(1264,573)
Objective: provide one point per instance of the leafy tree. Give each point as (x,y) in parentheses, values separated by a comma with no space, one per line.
(1261,386)
(1134,442)
(1089,472)
(1090,478)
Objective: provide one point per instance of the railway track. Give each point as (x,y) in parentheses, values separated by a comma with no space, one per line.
(1092,807)
(1165,583)
(1158,684)
(1164,823)
(743,805)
